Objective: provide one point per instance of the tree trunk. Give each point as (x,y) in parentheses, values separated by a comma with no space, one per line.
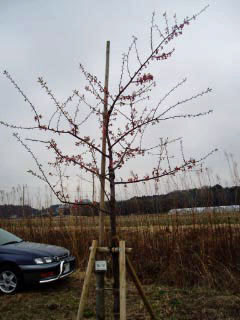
(115,258)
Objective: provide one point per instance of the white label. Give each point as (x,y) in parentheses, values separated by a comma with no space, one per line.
(66,267)
(101,265)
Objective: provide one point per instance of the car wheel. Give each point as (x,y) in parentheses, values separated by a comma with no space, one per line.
(9,280)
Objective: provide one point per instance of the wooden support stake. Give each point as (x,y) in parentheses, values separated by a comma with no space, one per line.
(139,287)
(87,280)
(122,278)
(109,250)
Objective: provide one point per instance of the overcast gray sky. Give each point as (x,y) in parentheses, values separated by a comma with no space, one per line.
(50,39)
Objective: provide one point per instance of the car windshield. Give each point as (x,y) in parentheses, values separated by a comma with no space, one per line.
(7,237)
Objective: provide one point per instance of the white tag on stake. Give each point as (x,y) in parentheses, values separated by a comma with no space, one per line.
(101,265)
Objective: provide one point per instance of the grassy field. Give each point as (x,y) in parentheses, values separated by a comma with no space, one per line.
(189,265)
(177,250)
(131,220)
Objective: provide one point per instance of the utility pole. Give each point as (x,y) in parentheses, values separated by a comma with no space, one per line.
(23,201)
(100,309)
(93,188)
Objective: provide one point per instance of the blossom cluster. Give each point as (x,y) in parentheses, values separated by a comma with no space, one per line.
(145,78)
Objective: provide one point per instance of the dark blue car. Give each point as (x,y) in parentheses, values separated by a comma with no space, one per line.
(30,262)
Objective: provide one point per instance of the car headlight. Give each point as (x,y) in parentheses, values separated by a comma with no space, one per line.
(43,260)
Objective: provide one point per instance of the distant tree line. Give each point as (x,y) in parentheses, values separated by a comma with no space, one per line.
(202,197)
(16,211)
(197,197)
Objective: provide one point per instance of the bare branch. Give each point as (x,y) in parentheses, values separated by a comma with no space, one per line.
(22,94)
(171,172)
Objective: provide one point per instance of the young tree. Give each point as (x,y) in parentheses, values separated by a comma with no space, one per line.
(131,111)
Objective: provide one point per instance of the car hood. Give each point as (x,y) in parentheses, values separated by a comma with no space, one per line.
(34,249)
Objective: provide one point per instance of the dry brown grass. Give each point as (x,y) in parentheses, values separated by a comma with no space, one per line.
(182,251)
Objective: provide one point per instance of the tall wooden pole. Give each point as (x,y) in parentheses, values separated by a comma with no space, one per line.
(103,162)
(100,309)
